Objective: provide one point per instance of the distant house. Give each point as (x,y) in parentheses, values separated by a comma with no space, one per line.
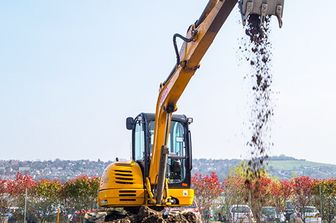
(24,169)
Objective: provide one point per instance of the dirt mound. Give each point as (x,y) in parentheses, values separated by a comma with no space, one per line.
(183,216)
(191,217)
(177,218)
(148,215)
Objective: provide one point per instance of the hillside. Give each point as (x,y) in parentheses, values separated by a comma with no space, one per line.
(282,167)
(288,167)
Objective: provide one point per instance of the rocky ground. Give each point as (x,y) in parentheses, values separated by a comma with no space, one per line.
(144,215)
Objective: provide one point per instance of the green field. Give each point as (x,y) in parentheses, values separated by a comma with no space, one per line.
(295,164)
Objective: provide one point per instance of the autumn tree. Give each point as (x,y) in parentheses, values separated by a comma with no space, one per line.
(18,186)
(281,191)
(16,190)
(46,198)
(207,189)
(260,193)
(255,186)
(47,195)
(302,190)
(80,193)
(286,190)
(325,197)
(235,190)
(3,195)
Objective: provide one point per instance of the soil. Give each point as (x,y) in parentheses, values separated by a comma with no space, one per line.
(258,52)
(148,215)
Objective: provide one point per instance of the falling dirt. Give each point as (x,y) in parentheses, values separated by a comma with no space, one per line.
(257,52)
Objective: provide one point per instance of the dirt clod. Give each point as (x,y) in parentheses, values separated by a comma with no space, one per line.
(147,215)
(191,217)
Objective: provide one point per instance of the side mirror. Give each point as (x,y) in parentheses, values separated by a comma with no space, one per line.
(130,123)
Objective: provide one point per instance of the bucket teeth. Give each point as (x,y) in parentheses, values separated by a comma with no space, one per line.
(263,8)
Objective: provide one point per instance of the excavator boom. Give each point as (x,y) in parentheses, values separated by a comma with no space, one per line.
(198,39)
(162,139)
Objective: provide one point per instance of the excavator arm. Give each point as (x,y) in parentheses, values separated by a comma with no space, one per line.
(198,39)
(143,180)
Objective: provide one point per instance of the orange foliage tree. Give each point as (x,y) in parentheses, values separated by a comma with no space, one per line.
(235,190)
(281,191)
(207,189)
(18,186)
(302,190)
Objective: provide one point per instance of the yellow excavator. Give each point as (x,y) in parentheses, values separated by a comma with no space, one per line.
(159,173)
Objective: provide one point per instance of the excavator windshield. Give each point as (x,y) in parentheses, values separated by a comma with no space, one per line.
(176,169)
(178,144)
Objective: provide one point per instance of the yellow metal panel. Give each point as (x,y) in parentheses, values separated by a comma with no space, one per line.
(121,175)
(121,197)
(121,185)
(185,196)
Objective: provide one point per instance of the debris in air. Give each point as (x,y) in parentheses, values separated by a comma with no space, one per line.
(258,54)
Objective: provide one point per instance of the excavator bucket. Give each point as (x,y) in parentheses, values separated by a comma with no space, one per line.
(263,8)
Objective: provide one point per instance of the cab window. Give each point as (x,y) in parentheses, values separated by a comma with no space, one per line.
(139,141)
(176,166)
(177,149)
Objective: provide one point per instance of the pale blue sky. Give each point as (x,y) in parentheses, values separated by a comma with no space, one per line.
(72,71)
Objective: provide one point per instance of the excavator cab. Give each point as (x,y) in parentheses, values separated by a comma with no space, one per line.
(263,8)
(123,183)
(179,162)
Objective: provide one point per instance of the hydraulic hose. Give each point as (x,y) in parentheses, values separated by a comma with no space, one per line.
(178,59)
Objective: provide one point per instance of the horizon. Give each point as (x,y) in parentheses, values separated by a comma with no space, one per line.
(124,159)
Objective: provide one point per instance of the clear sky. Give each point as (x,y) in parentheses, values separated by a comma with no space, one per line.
(72,71)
